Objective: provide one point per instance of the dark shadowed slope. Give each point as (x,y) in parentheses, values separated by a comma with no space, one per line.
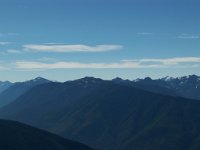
(17,89)
(18,136)
(110,116)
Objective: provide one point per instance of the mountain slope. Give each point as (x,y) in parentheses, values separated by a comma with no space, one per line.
(4,85)
(18,136)
(186,86)
(107,116)
(19,88)
(147,84)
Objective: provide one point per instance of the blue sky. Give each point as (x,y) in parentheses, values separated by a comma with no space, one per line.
(69,39)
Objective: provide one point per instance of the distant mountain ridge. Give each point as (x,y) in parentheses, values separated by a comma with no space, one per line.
(186,86)
(4,85)
(107,115)
(15,90)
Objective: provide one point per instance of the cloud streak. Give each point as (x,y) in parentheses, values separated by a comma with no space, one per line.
(144,33)
(179,62)
(188,36)
(63,48)
(8,34)
(72,65)
(13,51)
(5,43)
(168,61)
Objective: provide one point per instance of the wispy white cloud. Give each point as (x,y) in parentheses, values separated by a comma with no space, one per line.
(8,34)
(5,43)
(188,36)
(70,48)
(12,34)
(179,62)
(13,51)
(144,33)
(75,65)
(47,59)
(167,61)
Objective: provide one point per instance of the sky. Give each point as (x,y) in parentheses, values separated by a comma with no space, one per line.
(70,39)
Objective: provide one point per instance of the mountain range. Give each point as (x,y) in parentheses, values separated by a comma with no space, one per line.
(13,90)
(186,86)
(118,114)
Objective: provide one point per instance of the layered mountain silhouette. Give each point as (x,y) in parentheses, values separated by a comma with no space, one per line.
(18,136)
(12,91)
(108,115)
(186,86)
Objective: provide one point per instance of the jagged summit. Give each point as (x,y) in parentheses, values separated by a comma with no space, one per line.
(38,79)
(117,79)
(185,86)
(167,78)
(182,78)
(5,82)
(9,93)
(89,80)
